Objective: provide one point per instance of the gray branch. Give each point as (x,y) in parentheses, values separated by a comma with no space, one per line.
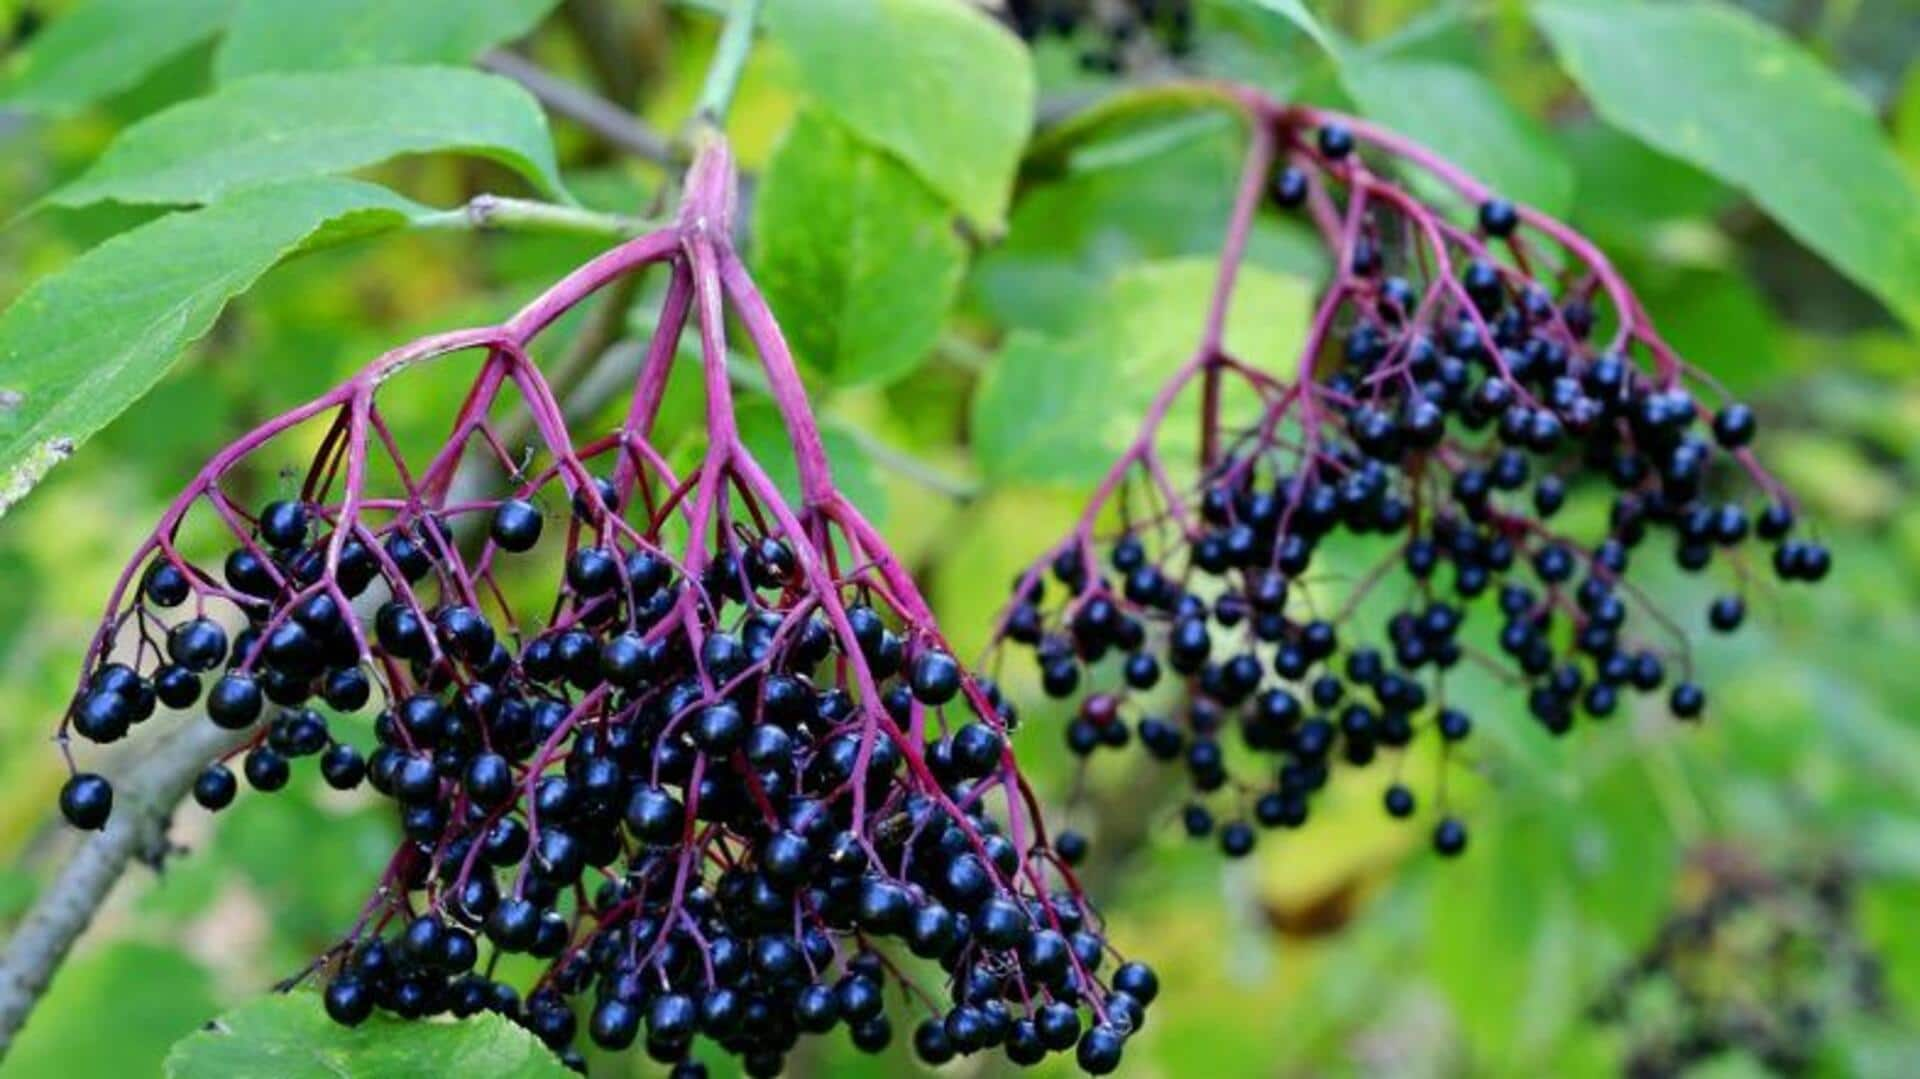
(598,115)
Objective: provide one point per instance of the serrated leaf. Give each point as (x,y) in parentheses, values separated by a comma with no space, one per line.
(1722,90)
(103,47)
(940,85)
(279,127)
(80,345)
(290,1037)
(858,258)
(1465,118)
(320,35)
(1057,409)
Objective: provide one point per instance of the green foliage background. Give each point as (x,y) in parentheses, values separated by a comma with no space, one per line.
(977,334)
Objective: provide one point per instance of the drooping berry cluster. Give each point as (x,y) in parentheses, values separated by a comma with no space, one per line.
(729,784)
(1461,384)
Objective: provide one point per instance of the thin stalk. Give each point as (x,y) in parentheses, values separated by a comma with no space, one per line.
(729,60)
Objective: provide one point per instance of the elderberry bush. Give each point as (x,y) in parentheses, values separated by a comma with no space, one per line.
(1481,440)
(728,786)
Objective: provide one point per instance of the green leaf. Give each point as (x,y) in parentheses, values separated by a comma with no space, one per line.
(80,345)
(1722,90)
(858,258)
(290,1037)
(1906,122)
(1465,118)
(1296,12)
(278,127)
(1057,409)
(154,995)
(940,85)
(103,47)
(318,35)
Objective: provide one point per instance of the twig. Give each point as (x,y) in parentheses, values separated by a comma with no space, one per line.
(487,213)
(729,59)
(596,114)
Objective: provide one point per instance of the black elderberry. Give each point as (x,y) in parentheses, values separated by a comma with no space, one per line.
(1099,1050)
(266,769)
(1335,140)
(348,1002)
(197,645)
(516,525)
(1236,839)
(1498,218)
(935,678)
(283,524)
(1450,837)
(87,801)
(166,584)
(215,787)
(1686,700)
(1399,801)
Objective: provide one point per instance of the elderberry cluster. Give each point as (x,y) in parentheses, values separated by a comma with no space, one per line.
(1111,31)
(1676,1010)
(723,787)
(1459,391)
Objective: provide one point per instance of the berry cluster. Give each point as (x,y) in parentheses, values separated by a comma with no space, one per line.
(1461,385)
(1114,33)
(730,784)
(1691,996)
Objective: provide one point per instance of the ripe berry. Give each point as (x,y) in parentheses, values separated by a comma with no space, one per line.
(516,525)
(1727,613)
(1099,1050)
(102,717)
(1734,427)
(283,524)
(348,1002)
(1399,801)
(197,645)
(343,767)
(176,686)
(1236,839)
(1336,140)
(1687,700)
(166,585)
(935,678)
(86,801)
(266,770)
(1289,187)
(1498,217)
(1450,837)
(215,787)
